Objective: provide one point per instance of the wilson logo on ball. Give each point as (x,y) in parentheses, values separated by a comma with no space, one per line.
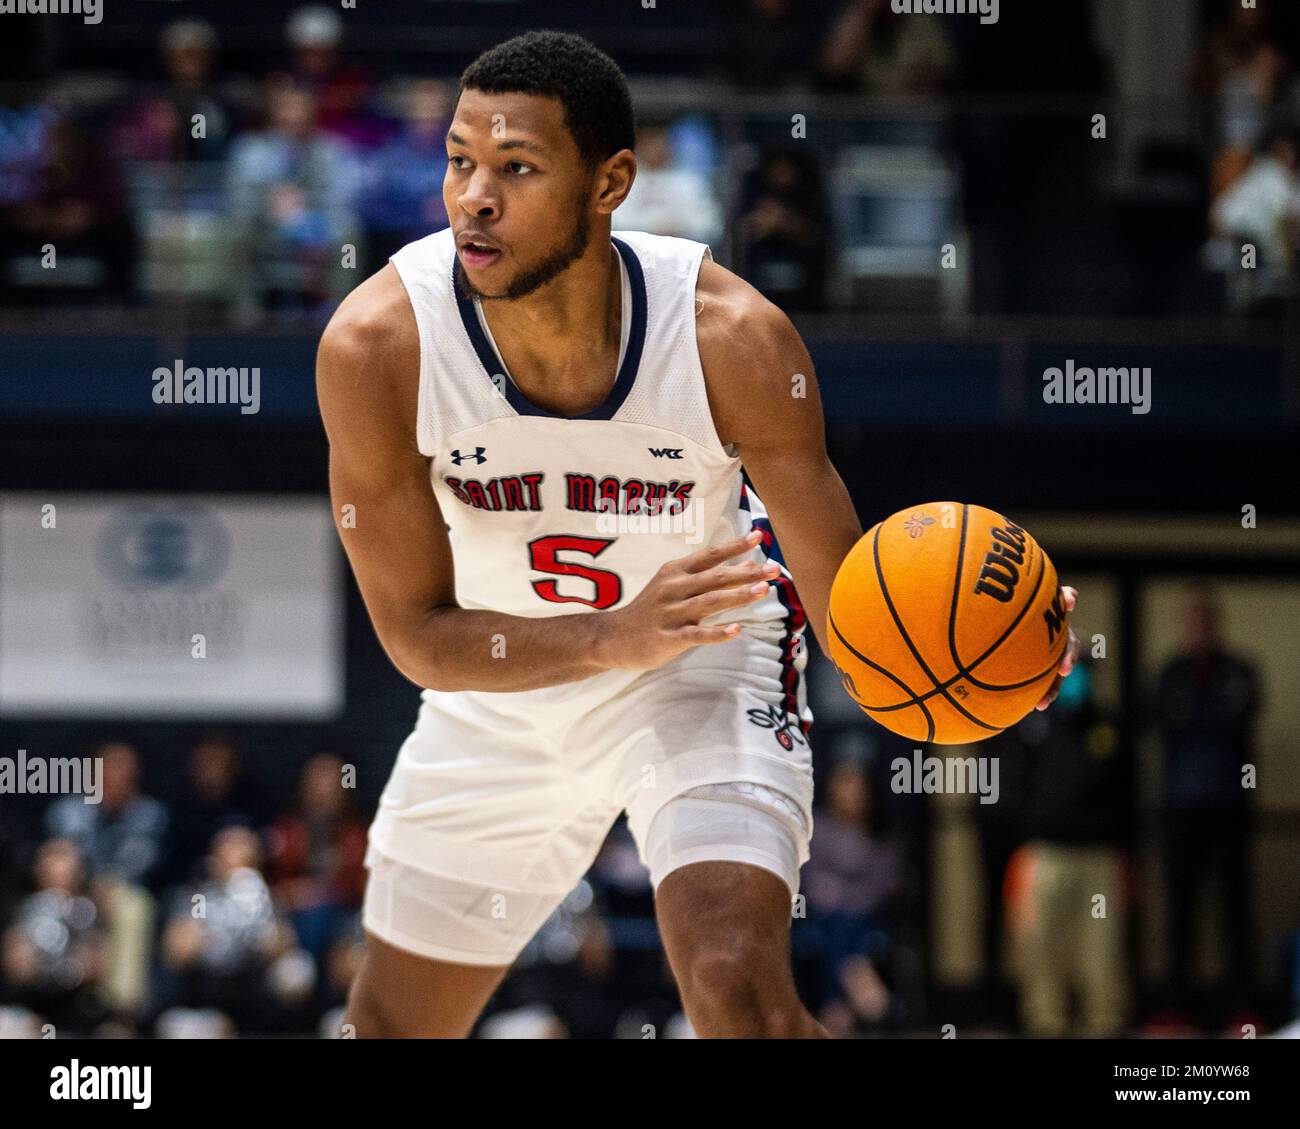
(1001,572)
(1054,617)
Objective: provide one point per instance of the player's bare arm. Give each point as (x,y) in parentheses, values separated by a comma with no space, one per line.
(764,398)
(395,536)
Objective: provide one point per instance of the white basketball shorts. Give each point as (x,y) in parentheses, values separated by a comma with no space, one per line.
(498,803)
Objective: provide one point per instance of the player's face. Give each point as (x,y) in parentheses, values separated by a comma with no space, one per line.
(517,192)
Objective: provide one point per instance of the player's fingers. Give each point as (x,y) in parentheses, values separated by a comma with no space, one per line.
(1071,597)
(1071,653)
(727,576)
(1050,696)
(708,603)
(695,634)
(718,554)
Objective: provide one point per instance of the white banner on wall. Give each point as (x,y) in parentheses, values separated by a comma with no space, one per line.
(179,606)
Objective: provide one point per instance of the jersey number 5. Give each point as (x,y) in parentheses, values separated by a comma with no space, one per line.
(542,555)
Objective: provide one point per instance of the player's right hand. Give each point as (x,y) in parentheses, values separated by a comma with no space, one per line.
(663,620)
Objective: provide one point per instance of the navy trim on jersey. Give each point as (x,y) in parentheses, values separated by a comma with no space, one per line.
(796,618)
(626,377)
(795,621)
(771,546)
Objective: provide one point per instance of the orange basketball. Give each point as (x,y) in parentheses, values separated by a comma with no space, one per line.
(947,623)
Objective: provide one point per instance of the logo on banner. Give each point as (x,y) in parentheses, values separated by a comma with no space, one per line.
(163,563)
(165,546)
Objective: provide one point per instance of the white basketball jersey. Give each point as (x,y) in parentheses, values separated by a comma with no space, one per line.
(551,515)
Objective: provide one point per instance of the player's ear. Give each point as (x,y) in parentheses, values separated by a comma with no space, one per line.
(614,179)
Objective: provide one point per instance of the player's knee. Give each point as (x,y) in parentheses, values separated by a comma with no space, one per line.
(716,983)
(727,991)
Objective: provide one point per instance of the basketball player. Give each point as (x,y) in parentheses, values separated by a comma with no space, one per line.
(537,434)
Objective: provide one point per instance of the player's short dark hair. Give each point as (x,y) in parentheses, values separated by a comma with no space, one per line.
(554,64)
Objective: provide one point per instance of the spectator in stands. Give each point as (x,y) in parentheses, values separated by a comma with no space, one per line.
(53,954)
(1252,93)
(784,229)
(1262,208)
(290,196)
(67,195)
(1079,825)
(24,131)
(160,124)
(341,88)
(123,841)
(849,881)
(402,197)
(124,835)
(1207,700)
(1236,37)
(214,798)
(316,856)
(667,197)
(224,939)
(870,47)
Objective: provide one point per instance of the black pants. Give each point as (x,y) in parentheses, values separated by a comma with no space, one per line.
(1200,845)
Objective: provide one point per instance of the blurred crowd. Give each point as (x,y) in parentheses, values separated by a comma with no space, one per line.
(268,195)
(240,191)
(273,195)
(214,908)
(195,914)
(203,914)
(1252,82)
(1063,876)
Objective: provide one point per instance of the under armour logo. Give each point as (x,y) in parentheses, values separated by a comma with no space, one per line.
(477,456)
(665,452)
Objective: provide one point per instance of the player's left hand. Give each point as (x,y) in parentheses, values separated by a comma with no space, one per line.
(1071,597)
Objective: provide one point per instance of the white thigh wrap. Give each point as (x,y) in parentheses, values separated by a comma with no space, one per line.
(732,822)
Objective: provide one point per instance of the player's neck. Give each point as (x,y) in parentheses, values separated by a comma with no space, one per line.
(560,328)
